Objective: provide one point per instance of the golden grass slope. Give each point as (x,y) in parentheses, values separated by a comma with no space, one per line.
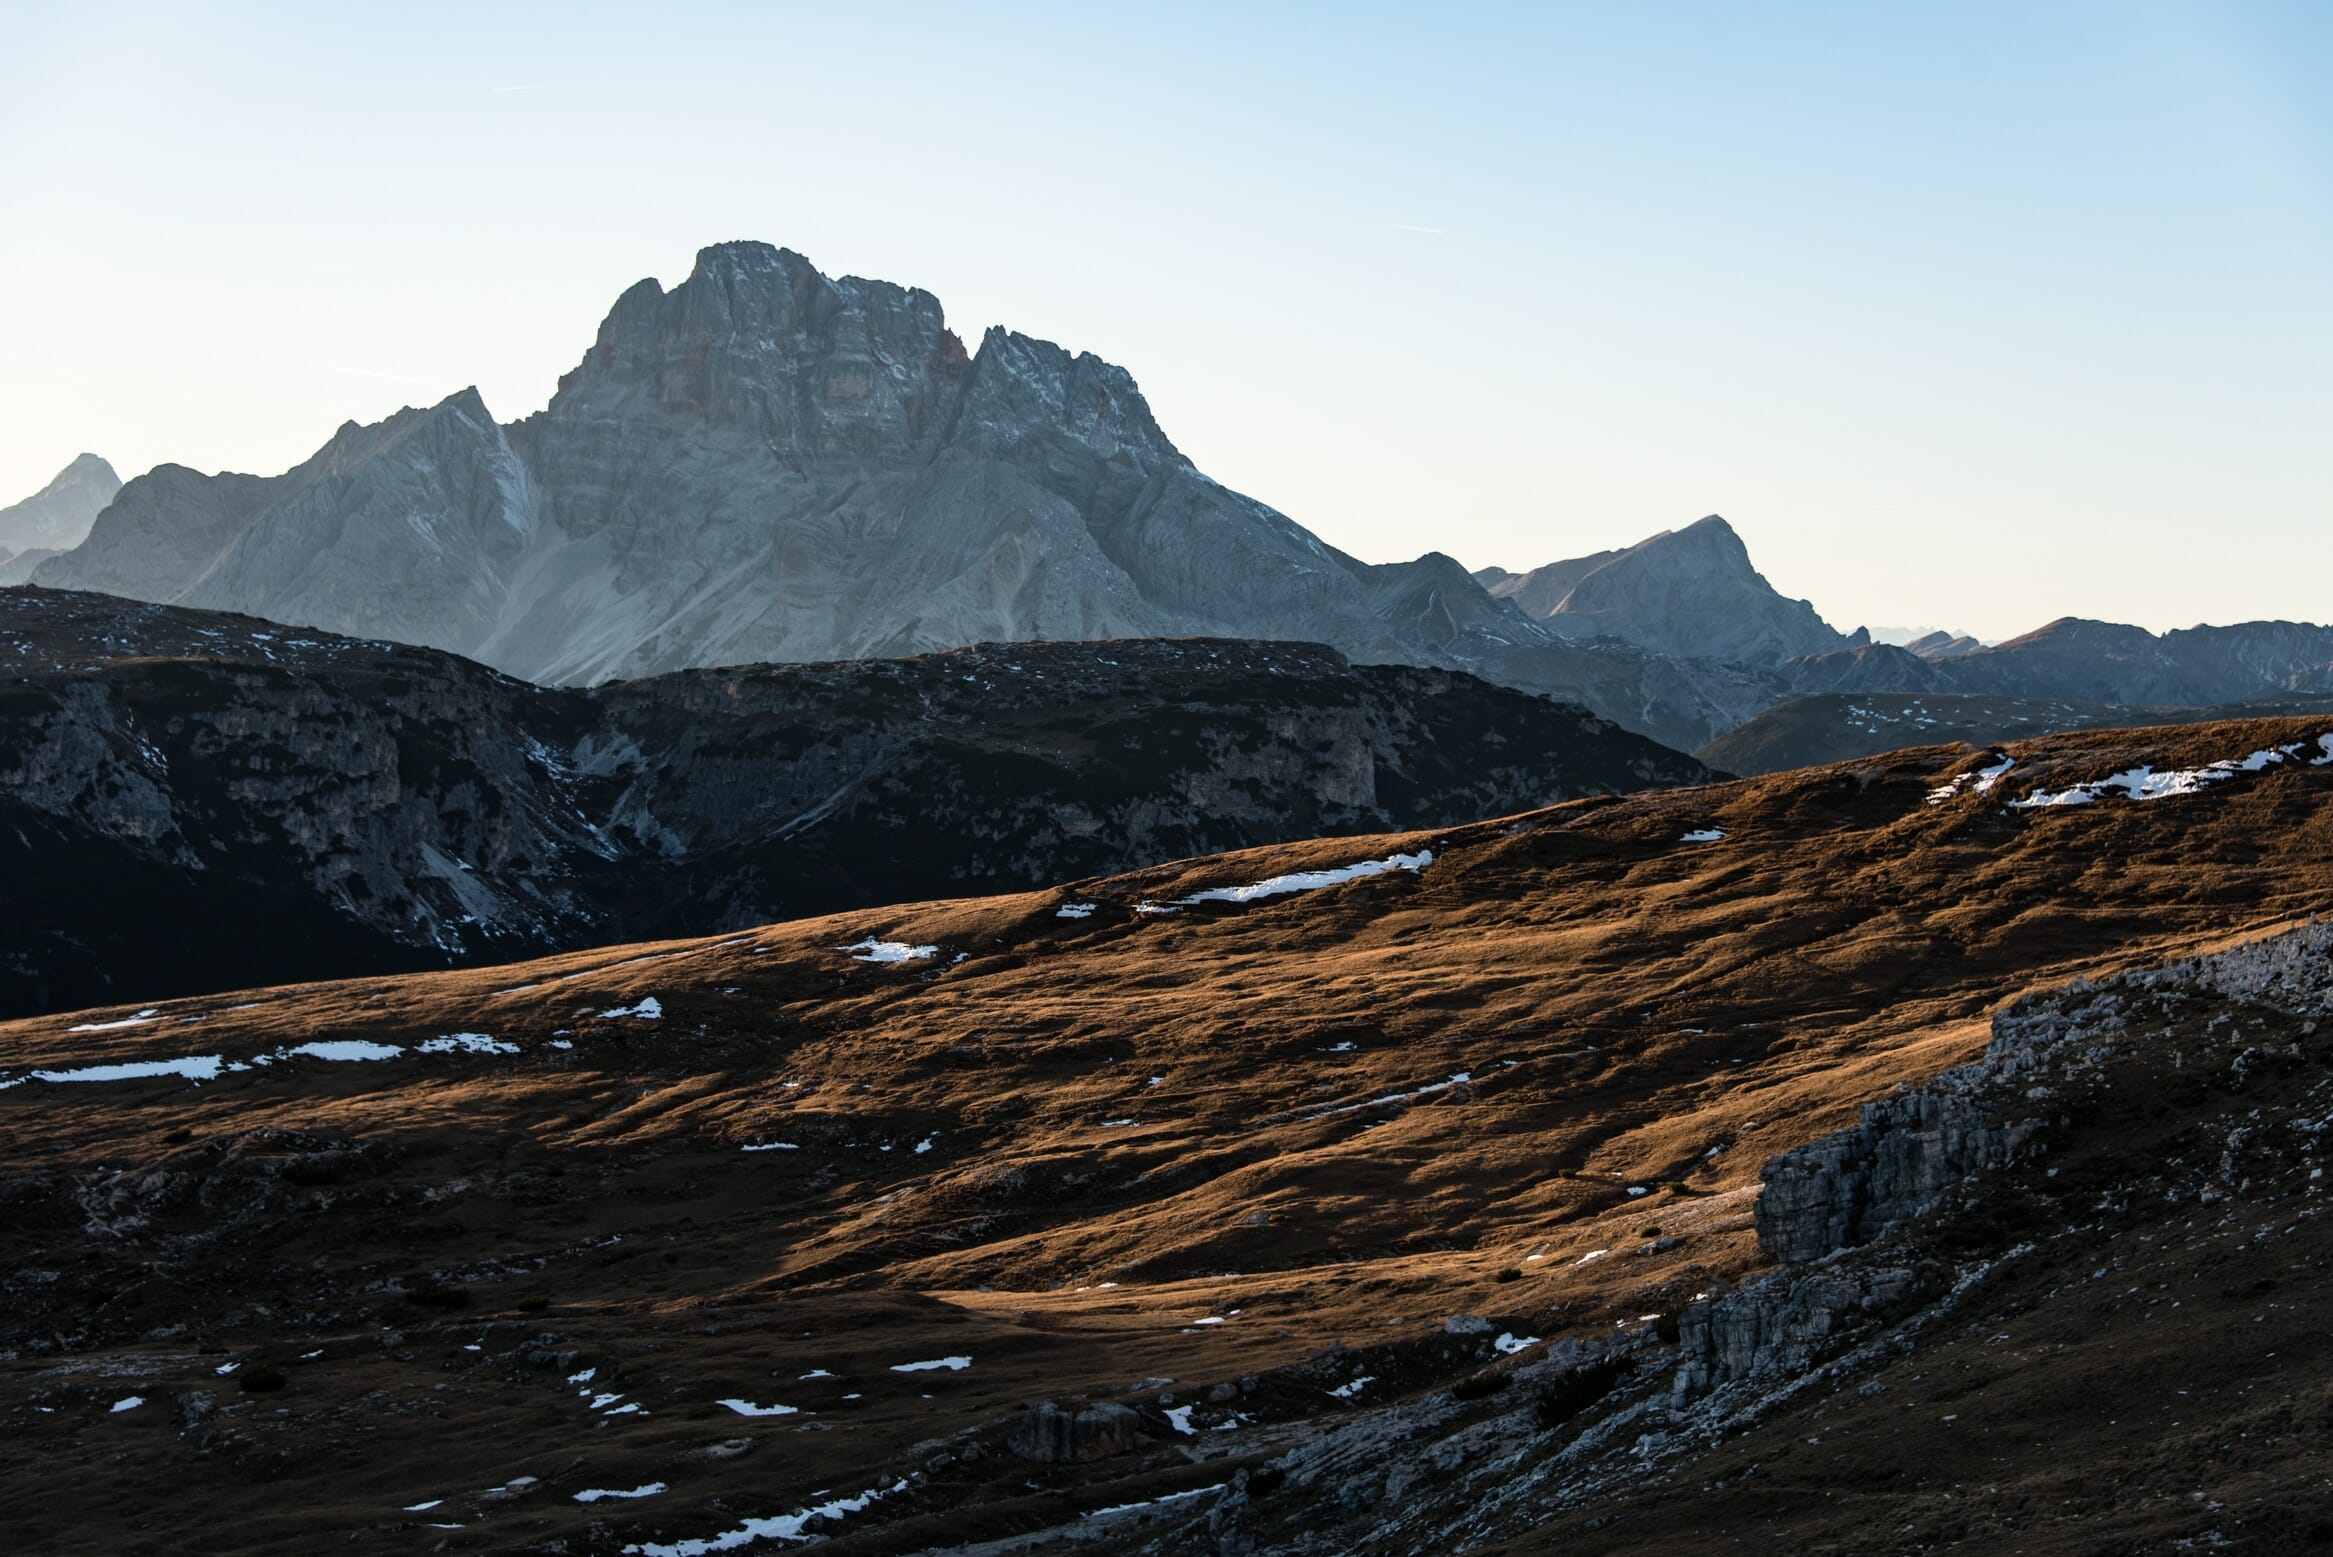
(1534,1082)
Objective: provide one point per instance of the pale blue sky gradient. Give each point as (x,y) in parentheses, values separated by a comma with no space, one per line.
(1968,314)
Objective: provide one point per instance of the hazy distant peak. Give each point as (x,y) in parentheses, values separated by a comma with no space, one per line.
(1691,592)
(59,514)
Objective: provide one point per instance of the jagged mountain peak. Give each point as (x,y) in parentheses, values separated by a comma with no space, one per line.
(758,342)
(1710,530)
(1709,538)
(1020,386)
(763,462)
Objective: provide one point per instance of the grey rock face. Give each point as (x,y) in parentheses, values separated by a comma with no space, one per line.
(162,536)
(1539,592)
(1898,1161)
(1906,1152)
(1052,1436)
(58,515)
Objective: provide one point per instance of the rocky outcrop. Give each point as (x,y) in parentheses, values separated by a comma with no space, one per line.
(266,805)
(1922,1150)
(58,515)
(1897,1162)
(1051,1435)
(1907,1153)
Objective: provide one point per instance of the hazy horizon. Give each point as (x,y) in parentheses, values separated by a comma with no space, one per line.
(1979,315)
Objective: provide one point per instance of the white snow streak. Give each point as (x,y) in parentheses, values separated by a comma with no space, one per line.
(465,1043)
(140,1020)
(1296,881)
(872,950)
(1171,1497)
(1981,781)
(342,1049)
(785,1527)
(2144,783)
(748,1408)
(199,1067)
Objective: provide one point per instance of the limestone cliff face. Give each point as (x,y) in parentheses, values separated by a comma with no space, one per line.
(209,800)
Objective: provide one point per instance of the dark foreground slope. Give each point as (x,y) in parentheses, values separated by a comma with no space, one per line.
(1416,1212)
(1841,726)
(192,801)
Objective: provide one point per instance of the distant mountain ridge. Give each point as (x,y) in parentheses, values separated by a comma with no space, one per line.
(55,518)
(1689,592)
(1828,727)
(2080,660)
(764,464)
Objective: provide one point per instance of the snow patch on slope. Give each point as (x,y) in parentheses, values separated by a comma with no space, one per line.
(2145,783)
(1295,881)
(872,950)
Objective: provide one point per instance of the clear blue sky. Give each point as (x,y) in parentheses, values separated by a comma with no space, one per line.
(1966,314)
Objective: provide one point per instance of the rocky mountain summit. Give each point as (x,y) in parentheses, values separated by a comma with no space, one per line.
(1692,593)
(766,464)
(189,798)
(55,518)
